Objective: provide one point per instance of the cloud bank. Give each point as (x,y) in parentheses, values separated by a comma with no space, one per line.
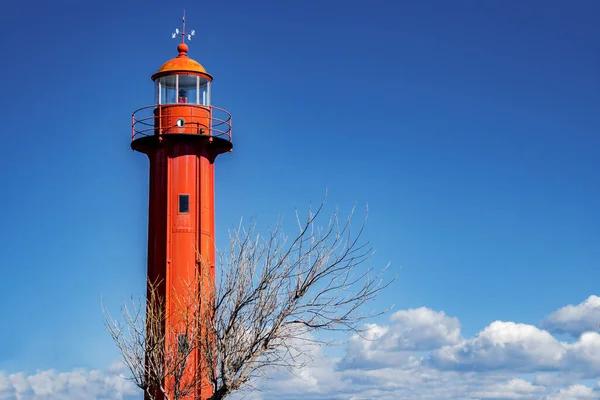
(418,354)
(73,385)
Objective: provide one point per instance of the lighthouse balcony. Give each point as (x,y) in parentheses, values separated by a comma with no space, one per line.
(181,119)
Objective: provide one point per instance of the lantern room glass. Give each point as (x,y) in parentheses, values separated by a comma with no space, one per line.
(182,89)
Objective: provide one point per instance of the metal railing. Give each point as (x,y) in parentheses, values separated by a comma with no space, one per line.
(152,121)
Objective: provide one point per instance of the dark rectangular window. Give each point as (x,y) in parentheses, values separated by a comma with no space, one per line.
(183,345)
(184,203)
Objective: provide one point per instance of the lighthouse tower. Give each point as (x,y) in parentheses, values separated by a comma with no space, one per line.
(182,134)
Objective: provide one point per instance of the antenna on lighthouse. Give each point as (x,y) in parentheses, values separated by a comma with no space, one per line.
(183,33)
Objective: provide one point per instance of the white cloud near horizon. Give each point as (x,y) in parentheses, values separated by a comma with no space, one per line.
(418,354)
(74,385)
(503,345)
(512,389)
(575,392)
(575,319)
(410,331)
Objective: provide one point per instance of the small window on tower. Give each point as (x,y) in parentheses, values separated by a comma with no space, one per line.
(184,203)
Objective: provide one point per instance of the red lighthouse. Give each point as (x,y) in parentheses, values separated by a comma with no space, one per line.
(182,134)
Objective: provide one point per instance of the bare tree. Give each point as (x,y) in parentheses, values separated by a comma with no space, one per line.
(274,295)
(157,353)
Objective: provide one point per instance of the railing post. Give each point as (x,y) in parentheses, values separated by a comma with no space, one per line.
(159,120)
(210,121)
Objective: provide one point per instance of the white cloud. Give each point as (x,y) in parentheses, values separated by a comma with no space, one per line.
(513,389)
(410,382)
(385,363)
(575,392)
(584,355)
(117,367)
(77,384)
(575,320)
(413,330)
(553,379)
(372,349)
(503,345)
(522,348)
(423,329)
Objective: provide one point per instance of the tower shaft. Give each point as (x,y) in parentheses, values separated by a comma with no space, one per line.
(181,247)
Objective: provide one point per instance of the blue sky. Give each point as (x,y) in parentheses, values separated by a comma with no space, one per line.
(469,128)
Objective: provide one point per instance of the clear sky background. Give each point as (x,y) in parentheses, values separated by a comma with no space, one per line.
(469,128)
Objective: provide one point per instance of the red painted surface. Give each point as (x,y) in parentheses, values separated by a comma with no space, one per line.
(182,163)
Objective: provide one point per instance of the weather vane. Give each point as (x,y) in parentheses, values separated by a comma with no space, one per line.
(183,33)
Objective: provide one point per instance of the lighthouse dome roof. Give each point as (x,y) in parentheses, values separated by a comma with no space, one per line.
(181,63)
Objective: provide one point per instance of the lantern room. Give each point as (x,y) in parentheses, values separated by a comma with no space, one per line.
(182,104)
(182,88)
(182,81)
